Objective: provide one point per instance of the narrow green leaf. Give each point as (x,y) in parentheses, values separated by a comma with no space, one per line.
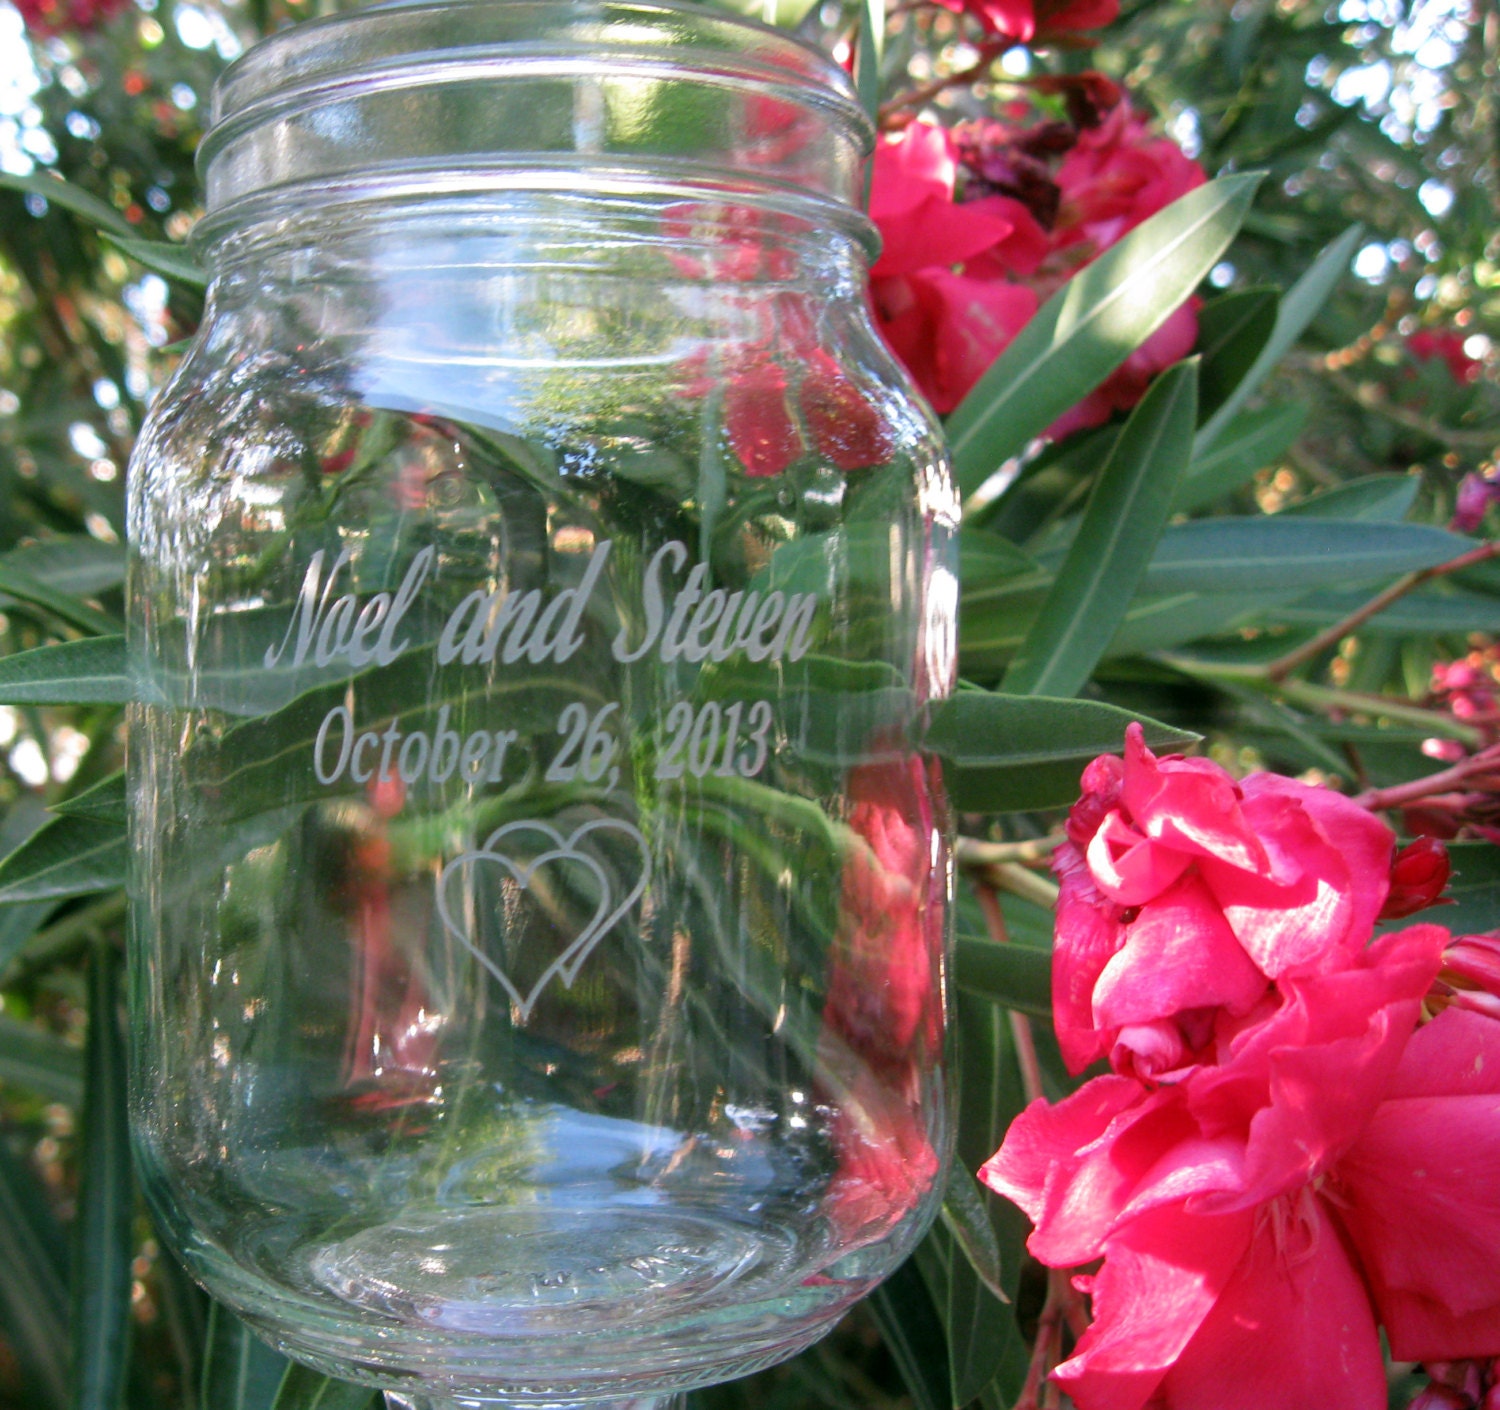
(968,1222)
(60,192)
(1092,324)
(982,728)
(1121,525)
(986,559)
(40,1061)
(240,1371)
(101,1235)
(1232,331)
(1287,553)
(970,1313)
(170,260)
(91,671)
(1004,752)
(990,1096)
(305,1389)
(33,1287)
(104,802)
(1299,306)
(869,56)
(1253,440)
(75,564)
(63,606)
(1375,499)
(912,1329)
(67,857)
(1421,614)
(1017,976)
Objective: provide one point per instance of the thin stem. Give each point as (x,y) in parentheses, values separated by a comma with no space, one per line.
(972,852)
(1467,771)
(1331,636)
(1020,881)
(923,93)
(1020,1024)
(64,938)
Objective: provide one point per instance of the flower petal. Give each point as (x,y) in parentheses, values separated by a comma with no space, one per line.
(1161,1277)
(1293,1330)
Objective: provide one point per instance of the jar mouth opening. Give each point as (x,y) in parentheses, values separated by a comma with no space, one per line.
(493,87)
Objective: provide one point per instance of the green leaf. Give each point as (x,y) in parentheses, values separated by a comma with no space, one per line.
(868,57)
(986,559)
(1013,751)
(1283,552)
(33,1288)
(1422,614)
(63,606)
(1299,306)
(1232,331)
(104,802)
(102,1238)
(67,857)
(305,1389)
(990,1095)
(1254,439)
(1092,324)
(76,563)
(1375,499)
(40,1061)
(60,192)
(912,1330)
(170,260)
(969,1310)
(1018,976)
(240,1371)
(968,1223)
(88,672)
(1125,516)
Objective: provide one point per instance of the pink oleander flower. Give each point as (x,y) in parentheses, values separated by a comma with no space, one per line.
(1320,1157)
(982,223)
(1184,895)
(1037,21)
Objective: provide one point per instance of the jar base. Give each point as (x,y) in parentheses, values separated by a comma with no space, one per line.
(397,1400)
(507,1271)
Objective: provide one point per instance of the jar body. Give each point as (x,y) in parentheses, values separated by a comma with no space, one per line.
(539,893)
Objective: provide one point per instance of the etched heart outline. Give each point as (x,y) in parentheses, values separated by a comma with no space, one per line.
(571,959)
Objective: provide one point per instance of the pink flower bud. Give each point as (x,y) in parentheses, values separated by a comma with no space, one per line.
(1419,872)
(1437,1397)
(1474,959)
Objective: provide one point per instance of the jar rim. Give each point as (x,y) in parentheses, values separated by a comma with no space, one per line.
(388,89)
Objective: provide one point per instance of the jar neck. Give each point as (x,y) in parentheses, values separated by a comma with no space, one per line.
(728,240)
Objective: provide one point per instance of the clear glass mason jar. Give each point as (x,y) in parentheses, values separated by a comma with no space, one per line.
(539,577)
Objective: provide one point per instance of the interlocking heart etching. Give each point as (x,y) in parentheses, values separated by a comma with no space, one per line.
(457,878)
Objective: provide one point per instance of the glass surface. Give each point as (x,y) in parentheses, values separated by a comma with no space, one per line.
(539,896)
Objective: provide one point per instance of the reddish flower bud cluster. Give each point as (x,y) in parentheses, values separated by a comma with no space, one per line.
(982,223)
(1431,344)
(46,18)
(1476,492)
(1286,1157)
(1461,1385)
